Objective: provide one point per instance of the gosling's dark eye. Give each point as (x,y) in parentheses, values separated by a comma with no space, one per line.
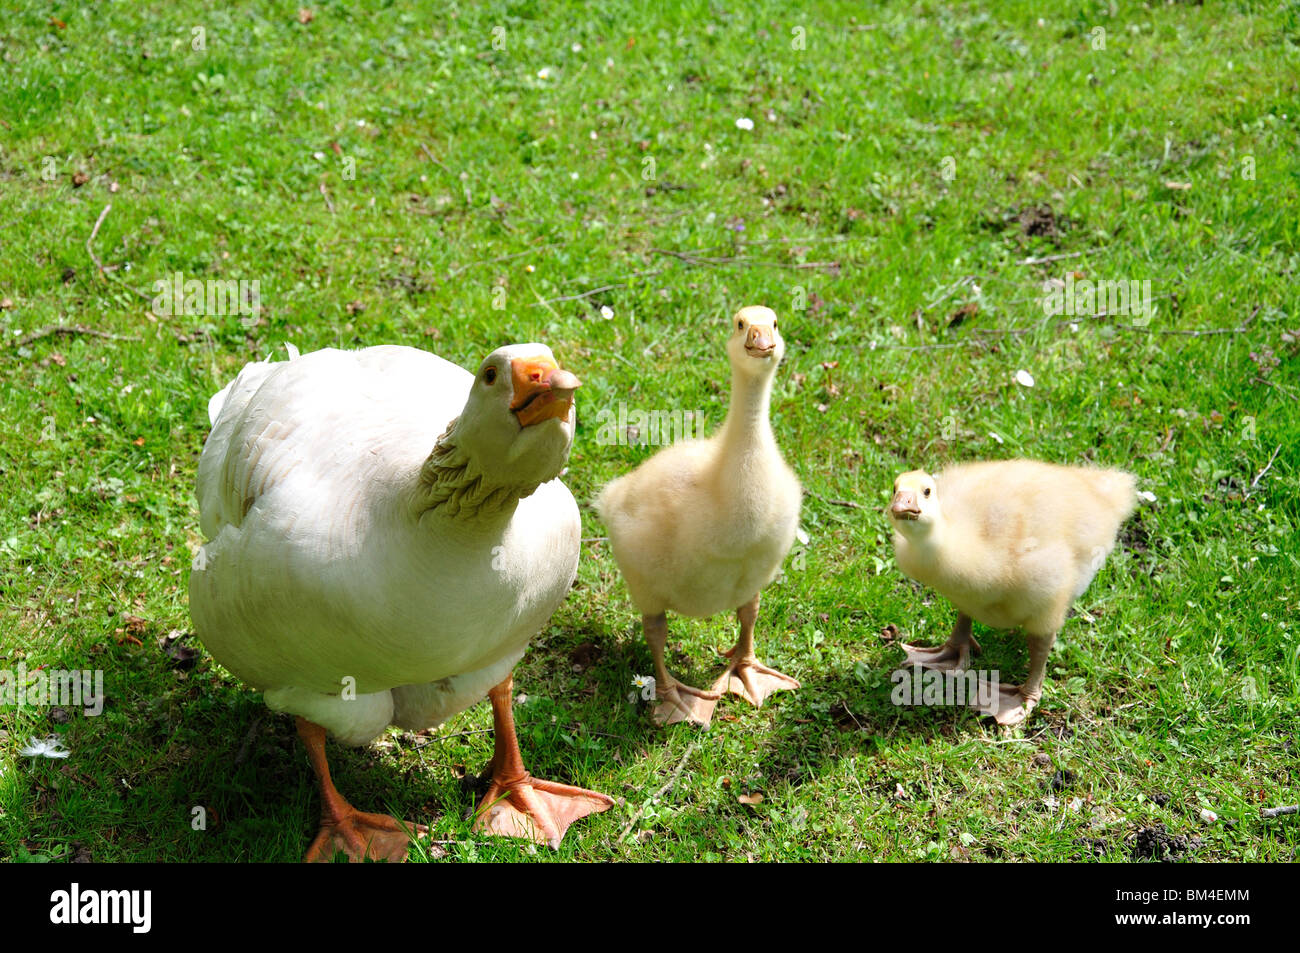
(927,491)
(773,325)
(490,375)
(740,325)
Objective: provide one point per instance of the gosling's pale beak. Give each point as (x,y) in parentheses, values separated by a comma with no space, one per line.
(760,341)
(905,506)
(542,390)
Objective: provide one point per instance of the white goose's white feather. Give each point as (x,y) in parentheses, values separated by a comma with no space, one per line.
(324,572)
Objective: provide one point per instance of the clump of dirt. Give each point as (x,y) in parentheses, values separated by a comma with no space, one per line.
(584,656)
(1061,780)
(1039,220)
(1160,799)
(1092,846)
(1156,843)
(1134,535)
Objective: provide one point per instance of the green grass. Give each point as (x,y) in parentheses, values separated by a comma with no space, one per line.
(474,173)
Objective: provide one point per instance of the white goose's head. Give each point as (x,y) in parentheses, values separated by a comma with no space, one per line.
(514,433)
(755,346)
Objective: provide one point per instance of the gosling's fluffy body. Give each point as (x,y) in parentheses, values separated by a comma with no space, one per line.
(697,530)
(1014,543)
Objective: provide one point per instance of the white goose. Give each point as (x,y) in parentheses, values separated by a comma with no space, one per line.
(385,534)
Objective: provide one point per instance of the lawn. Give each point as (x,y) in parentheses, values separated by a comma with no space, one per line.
(898,181)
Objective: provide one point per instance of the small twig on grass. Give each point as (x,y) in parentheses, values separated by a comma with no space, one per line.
(464,185)
(694,259)
(848,503)
(453,272)
(90,242)
(1261,474)
(1031,260)
(435,160)
(242,755)
(949,292)
(70,329)
(1267,812)
(677,773)
(99,265)
(596,291)
(325,193)
(1281,387)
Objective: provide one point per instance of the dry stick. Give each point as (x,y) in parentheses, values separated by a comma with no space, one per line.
(242,755)
(737,260)
(70,329)
(464,185)
(453,272)
(596,291)
(848,503)
(952,289)
(325,192)
(90,242)
(1259,476)
(1279,811)
(435,160)
(90,250)
(677,773)
(1031,260)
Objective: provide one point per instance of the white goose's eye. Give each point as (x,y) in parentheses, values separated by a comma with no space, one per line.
(927,491)
(490,376)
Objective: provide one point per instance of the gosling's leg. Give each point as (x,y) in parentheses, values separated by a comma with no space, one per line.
(746,676)
(677,701)
(952,656)
(1013,703)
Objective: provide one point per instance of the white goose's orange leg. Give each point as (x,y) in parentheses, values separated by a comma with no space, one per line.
(746,676)
(518,804)
(343,828)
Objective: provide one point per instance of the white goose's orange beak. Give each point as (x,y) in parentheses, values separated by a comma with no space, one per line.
(541,389)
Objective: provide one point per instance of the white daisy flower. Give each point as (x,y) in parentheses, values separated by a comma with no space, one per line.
(606,312)
(745,124)
(1024,379)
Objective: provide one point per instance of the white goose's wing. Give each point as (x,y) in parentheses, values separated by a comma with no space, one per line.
(280,420)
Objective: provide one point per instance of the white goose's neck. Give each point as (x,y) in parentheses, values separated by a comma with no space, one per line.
(452,486)
(748,428)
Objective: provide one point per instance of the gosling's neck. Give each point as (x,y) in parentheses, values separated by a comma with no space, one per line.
(927,541)
(748,427)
